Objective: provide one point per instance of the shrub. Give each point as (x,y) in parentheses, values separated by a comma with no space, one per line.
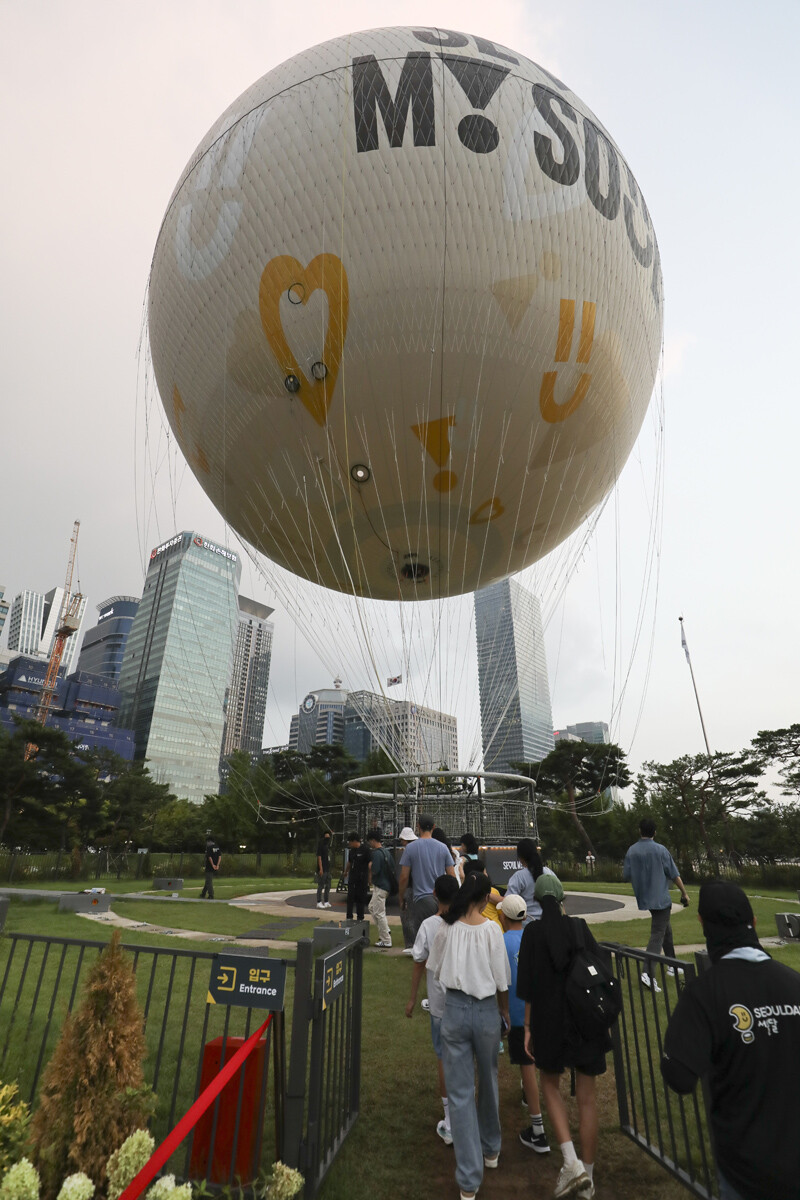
(284,1182)
(76,1187)
(126,1162)
(15,1117)
(20,1182)
(93,1093)
(166,1188)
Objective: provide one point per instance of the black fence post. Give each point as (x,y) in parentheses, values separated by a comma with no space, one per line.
(302,1013)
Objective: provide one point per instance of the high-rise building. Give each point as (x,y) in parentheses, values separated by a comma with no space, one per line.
(516,718)
(84,707)
(247,695)
(3,607)
(32,625)
(320,720)
(104,644)
(595,732)
(415,737)
(177,663)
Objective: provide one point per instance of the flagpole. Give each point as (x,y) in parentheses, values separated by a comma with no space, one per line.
(694,685)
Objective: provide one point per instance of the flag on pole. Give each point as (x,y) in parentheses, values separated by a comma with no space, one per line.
(685,646)
(393,679)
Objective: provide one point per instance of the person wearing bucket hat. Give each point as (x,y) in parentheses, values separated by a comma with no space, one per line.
(739,1024)
(513,910)
(545,954)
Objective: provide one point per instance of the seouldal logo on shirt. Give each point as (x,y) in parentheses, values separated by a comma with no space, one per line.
(742,1022)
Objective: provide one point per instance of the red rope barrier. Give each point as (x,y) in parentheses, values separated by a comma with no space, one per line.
(190,1119)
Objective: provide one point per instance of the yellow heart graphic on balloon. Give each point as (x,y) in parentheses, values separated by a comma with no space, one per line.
(285,274)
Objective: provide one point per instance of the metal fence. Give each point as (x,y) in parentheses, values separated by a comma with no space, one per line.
(324,1083)
(303,1118)
(672,1129)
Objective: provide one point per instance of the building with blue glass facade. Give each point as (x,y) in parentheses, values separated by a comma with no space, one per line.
(516,717)
(85,707)
(104,644)
(176,668)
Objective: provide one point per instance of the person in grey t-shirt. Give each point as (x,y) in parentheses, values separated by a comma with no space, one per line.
(428,859)
(649,866)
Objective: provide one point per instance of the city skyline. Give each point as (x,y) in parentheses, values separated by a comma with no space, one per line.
(86,204)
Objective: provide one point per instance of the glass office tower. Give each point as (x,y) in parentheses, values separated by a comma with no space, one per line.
(516,718)
(104,644)
(177,663)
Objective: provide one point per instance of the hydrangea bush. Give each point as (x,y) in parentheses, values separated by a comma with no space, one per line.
(20,1182)
(126,1163)
(76,1187)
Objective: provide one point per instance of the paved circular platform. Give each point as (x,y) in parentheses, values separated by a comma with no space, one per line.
(577,904)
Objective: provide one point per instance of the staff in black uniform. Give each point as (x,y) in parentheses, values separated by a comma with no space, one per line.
(212,862)
(739,1023)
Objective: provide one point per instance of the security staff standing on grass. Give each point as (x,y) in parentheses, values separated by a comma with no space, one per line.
(212,863)
(739,1023)
(649,866)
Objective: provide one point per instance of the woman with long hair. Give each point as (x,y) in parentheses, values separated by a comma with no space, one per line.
(523,882)
(551,1039)
(469,958)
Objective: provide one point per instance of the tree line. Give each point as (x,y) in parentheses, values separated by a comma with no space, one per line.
(709,809)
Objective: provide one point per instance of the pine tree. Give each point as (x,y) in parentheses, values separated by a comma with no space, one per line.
(93,1093)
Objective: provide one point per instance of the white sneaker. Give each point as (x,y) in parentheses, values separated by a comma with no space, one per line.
(649,983)
(320,904)
(491,1162)
(671,971)
(572,1180)
(385,946)
(408,950)
(586,1192)
(327,904)
(444,1133)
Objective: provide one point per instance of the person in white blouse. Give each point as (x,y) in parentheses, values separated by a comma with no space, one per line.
(469,959)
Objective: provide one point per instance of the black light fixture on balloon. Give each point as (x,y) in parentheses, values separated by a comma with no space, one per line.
(360,473)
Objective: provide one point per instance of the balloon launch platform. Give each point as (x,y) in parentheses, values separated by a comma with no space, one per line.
(497,808)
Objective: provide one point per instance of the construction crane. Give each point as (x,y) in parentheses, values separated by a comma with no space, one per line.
(68,622)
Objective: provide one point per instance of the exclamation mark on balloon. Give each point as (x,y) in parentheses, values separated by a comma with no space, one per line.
(550,410)
(435,437)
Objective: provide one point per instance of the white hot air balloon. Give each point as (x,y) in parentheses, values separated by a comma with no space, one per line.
(405,313)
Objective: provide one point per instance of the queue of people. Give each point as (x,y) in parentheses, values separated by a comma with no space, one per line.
(497,966)
(494,968)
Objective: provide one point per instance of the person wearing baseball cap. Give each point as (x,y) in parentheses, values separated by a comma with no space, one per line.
(513,912)
(545,954)
(739,1024)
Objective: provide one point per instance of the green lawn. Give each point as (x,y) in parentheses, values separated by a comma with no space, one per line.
(393,1147)
(224,889)
(43,917)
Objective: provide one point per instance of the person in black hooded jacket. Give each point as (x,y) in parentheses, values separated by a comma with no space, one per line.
(739,1023)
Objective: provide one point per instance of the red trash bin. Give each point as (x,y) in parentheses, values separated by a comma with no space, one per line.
(245,1155)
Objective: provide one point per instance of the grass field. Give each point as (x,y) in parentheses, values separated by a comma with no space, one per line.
(224,888)
(393,1147)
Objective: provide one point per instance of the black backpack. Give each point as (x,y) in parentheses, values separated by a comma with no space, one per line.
(593,995)
(391,871)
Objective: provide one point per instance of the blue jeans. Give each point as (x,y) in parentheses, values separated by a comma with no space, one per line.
(470,1037)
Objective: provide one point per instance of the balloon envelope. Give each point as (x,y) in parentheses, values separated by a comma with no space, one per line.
(405,313)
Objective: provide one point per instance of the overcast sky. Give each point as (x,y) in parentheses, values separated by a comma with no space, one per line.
(102,105)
